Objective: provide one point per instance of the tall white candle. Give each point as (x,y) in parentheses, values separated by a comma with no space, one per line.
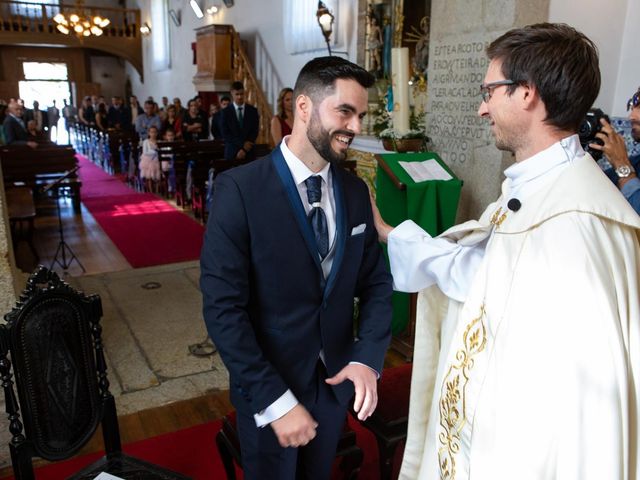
(400,84)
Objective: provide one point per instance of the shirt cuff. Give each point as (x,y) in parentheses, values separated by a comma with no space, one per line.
(372,369)
(630,187)
(276,410)
(407,230)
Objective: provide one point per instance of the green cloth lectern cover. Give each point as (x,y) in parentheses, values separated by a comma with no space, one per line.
(432,204)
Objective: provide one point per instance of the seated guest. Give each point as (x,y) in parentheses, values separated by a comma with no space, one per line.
(118,115)
(40,117)
(86,113)
(201,110)
(165,104)
(167,166)
(3,115)
(149,162)
(194,124)
(32,130)
(172,122)
(282,122)
(69,112)
(101,117)
(213,109)
(15,131)
(240,123)
(216,121)
(146,120)
(53,115)
(34,134)
(180,110)
(135,109)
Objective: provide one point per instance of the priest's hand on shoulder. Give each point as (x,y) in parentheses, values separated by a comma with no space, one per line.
(296,428)
(365,382)
(383,228)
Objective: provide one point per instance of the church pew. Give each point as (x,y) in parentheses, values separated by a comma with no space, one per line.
(202,156)
(36,168)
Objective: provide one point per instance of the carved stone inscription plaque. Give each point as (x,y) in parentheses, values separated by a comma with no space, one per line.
(455,74)
(457,66)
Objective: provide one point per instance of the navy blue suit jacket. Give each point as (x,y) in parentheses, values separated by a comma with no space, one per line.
(14,133)
(234,135)
(267,305)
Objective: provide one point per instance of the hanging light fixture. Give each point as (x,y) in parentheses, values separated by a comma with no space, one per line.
(325,20)
(80,23)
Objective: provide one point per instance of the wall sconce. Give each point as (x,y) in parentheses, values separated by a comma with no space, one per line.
(145,29)
(195,6)
(325,20)
(213,9)
(175,16)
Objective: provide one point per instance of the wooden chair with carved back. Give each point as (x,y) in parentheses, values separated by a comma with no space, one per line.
(52,346)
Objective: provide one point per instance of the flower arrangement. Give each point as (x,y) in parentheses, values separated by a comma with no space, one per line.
(416,127)
(391,138)
(415,139)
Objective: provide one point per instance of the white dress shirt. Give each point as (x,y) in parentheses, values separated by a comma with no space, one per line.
(237,108)
(419,261)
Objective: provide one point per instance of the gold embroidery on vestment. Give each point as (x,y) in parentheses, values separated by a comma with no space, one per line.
(453,415)
(498,217)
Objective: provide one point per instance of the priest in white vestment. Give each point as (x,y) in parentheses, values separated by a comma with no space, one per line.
(528,332)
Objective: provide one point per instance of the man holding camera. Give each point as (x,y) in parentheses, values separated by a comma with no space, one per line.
(623,167)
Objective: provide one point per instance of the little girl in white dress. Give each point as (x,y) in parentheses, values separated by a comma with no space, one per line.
(149,163)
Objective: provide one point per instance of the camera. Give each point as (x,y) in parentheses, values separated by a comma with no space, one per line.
(588,129)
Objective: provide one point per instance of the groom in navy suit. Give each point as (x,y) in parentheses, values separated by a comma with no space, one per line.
(290,242)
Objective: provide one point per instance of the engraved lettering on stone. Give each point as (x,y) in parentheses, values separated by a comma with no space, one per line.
(457,70)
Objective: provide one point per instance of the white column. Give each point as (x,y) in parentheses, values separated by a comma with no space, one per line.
(400,84)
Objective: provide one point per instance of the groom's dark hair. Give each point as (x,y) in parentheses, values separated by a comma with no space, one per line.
(318,77)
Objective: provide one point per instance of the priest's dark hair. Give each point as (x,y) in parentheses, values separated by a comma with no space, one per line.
(559,61)
(318,77)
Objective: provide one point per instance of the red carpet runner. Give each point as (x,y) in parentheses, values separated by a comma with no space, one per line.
(147,230)
(193,453)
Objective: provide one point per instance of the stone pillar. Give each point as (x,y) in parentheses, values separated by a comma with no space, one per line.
(460,32)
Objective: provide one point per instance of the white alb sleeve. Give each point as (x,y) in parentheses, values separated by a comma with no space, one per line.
(419,260)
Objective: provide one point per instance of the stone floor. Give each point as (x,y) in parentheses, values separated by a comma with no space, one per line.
(150,317)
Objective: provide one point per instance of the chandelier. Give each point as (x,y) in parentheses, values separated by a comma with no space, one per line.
(80,23)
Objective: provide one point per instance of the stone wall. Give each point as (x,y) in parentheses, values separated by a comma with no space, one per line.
(460,32)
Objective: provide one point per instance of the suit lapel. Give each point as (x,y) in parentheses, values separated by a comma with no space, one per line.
(294,199)
(341,227)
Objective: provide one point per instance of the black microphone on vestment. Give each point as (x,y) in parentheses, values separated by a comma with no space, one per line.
(514,204)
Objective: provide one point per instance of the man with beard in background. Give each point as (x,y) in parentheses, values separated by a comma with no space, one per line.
(623,167)
(290,242)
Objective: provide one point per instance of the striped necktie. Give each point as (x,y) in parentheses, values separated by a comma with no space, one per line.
(316,216)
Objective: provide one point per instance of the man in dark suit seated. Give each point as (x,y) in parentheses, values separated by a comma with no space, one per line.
(240,122)
(15,131)
(290,242)
(118,115)
(39,116)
